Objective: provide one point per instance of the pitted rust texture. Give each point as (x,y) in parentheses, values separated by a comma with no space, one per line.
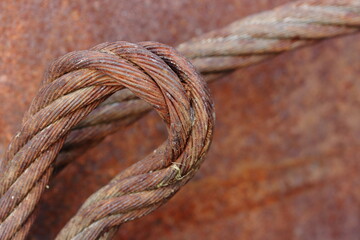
(283,162)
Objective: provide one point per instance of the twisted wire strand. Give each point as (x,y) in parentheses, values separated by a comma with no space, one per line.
(241,44)
(269,33)
(63,106)
(73,86)
(151,182)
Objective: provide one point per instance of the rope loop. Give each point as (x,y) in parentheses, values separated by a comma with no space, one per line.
(73,86)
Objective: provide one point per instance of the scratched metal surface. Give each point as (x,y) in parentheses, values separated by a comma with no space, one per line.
(285,156)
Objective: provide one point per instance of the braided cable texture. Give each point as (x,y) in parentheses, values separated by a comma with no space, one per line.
(73,86)
(63,105)
(242,43)
(269,33)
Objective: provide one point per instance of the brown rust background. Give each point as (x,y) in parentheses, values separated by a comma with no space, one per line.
(285,157)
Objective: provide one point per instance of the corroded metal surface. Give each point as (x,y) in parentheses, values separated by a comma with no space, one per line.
(283,162)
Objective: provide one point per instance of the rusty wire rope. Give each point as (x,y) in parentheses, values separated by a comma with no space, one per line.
(241,44)
(74,85)
(83,99)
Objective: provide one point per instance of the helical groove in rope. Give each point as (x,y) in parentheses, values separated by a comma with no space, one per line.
(74,85)
(241,44)
(75,115)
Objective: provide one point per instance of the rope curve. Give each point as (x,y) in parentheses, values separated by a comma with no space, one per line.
(241,44)
(87,95)
(73,86)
